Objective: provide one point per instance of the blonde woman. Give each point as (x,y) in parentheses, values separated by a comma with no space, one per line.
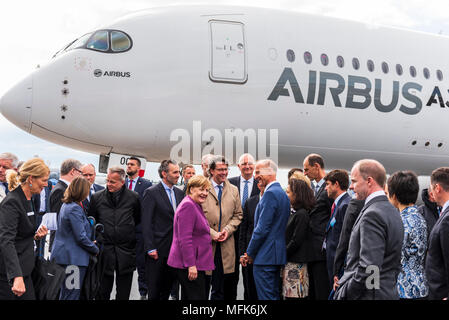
(18,229)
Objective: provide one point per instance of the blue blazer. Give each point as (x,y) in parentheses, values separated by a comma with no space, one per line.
(73,242)
(267,245)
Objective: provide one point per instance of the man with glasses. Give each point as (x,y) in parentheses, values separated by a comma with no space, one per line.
(88,171)
(70,169)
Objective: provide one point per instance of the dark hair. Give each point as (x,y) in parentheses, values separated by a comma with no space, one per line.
(215,160)
(139,163)
(315,158)
(441,176)
(77,191)
(338,175)
(404,185)
(292,171)
(303,196)
(164,166)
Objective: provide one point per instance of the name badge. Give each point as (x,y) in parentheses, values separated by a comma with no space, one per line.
(30,213)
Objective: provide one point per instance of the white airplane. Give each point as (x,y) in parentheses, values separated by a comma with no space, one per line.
(343,89)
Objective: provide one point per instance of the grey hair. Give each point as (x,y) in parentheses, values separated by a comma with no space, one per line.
(269,163)
(10,156)
(69,164)
(119,170)
(206,158)
(164,166)
(89,164)
(250,158)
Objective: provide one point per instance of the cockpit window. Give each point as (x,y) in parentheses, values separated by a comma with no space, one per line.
(99,41)
(78,43)
(119,41)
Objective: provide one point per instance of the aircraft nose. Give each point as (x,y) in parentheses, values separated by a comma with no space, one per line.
(15,105)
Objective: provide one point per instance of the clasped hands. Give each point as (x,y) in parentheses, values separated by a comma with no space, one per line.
(221,236)
(245,260)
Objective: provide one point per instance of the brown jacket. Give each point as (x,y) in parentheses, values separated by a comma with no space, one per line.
(231,217)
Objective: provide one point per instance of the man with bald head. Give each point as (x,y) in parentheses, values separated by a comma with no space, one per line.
(88,172)
(374,253)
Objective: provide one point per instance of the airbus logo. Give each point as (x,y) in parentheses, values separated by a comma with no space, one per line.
(118,74)
(98,73)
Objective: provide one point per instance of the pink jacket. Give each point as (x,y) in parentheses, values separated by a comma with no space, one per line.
(192,244)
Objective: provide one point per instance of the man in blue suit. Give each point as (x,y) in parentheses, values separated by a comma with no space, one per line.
(89,173)
(337,183)
(267,248)
(138,184)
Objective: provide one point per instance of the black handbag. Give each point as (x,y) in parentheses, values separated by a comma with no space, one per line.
(48,278)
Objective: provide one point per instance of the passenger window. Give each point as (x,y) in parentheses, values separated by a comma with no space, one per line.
(119,41)
(355,63)
(440,75)
(340,61)
(385,67)
(413,71)
(426,73)
(308,57)
(370,65)
(290,55)
(324,59)
(399,70)
(99,41)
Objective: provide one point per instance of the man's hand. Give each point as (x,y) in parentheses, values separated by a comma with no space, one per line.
(18,287)
(336,284)
(223,236)
(153,255)
(244,260)
(42,232)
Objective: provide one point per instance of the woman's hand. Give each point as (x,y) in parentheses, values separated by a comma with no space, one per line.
(18,287)
(193,273)
(42,232)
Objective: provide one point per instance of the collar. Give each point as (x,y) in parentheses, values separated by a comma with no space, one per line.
(216,184)
(65,181)
(250,180)
(374,194)
(319,183)
(166,187)
(269,185)
(339,197)
(134,180)
(445,206)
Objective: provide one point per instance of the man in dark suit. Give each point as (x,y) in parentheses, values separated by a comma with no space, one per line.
(89,173)
(319,217)
(352,212)
(374,254)
(246,232)
(159,205)
(267,248)
(430,210)
(247,186)
(70,169)
(7,161)
(138,184)
(437,260)
(337,182)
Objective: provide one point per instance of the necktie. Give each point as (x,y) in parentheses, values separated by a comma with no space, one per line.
(172,199)
(90,194)
(245,193)
(131,184)
(317,188)
(332,209)
(220,192)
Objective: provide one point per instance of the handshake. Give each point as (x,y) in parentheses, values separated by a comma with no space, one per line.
(221,236)
(245,260)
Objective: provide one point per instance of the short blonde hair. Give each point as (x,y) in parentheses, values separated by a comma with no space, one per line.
(35,168)
(197,181)
(300,176)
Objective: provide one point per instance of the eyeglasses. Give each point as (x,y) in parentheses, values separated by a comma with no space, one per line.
(79,171)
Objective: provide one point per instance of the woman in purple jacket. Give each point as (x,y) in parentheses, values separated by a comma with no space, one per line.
(191,249)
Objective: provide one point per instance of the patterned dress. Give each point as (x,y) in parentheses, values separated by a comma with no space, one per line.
(412,282)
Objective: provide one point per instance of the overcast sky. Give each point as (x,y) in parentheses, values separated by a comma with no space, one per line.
(32,31)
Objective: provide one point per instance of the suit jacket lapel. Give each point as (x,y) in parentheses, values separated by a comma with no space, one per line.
(366,206)
(164,195)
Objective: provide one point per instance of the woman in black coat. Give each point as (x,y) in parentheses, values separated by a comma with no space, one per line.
(18,230)
(295,276)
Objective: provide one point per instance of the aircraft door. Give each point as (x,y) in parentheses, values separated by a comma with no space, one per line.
(228,52)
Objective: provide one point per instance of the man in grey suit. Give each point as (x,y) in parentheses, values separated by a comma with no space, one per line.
(374,254)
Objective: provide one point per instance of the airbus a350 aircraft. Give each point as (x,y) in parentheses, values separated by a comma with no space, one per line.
(342,89)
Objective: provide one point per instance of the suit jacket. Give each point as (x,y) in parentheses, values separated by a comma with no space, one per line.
(352,212)
(142,184)
(86,202)
(247,225)
(319,217)
(236,182)
(56,195)
(231,218)
(376,241)
(296,235)
(192,245)
(157,219)
(332,236)
(17,229)
(267,245)
(437,260)
(73,243)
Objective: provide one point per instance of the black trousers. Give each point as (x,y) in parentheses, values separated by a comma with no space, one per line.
(319,284)
(123,283)
(250,292)
(140,262)
(192,290)
(160,278)
(7,294)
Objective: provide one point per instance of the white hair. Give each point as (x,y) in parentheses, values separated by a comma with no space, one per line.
(206,158)
(10,156)
(268,163)
(243,156)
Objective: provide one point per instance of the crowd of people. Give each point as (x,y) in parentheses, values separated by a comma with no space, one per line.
(334,235)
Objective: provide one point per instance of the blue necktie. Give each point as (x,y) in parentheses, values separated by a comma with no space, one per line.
(245,193)
(220,192)
(172,200)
